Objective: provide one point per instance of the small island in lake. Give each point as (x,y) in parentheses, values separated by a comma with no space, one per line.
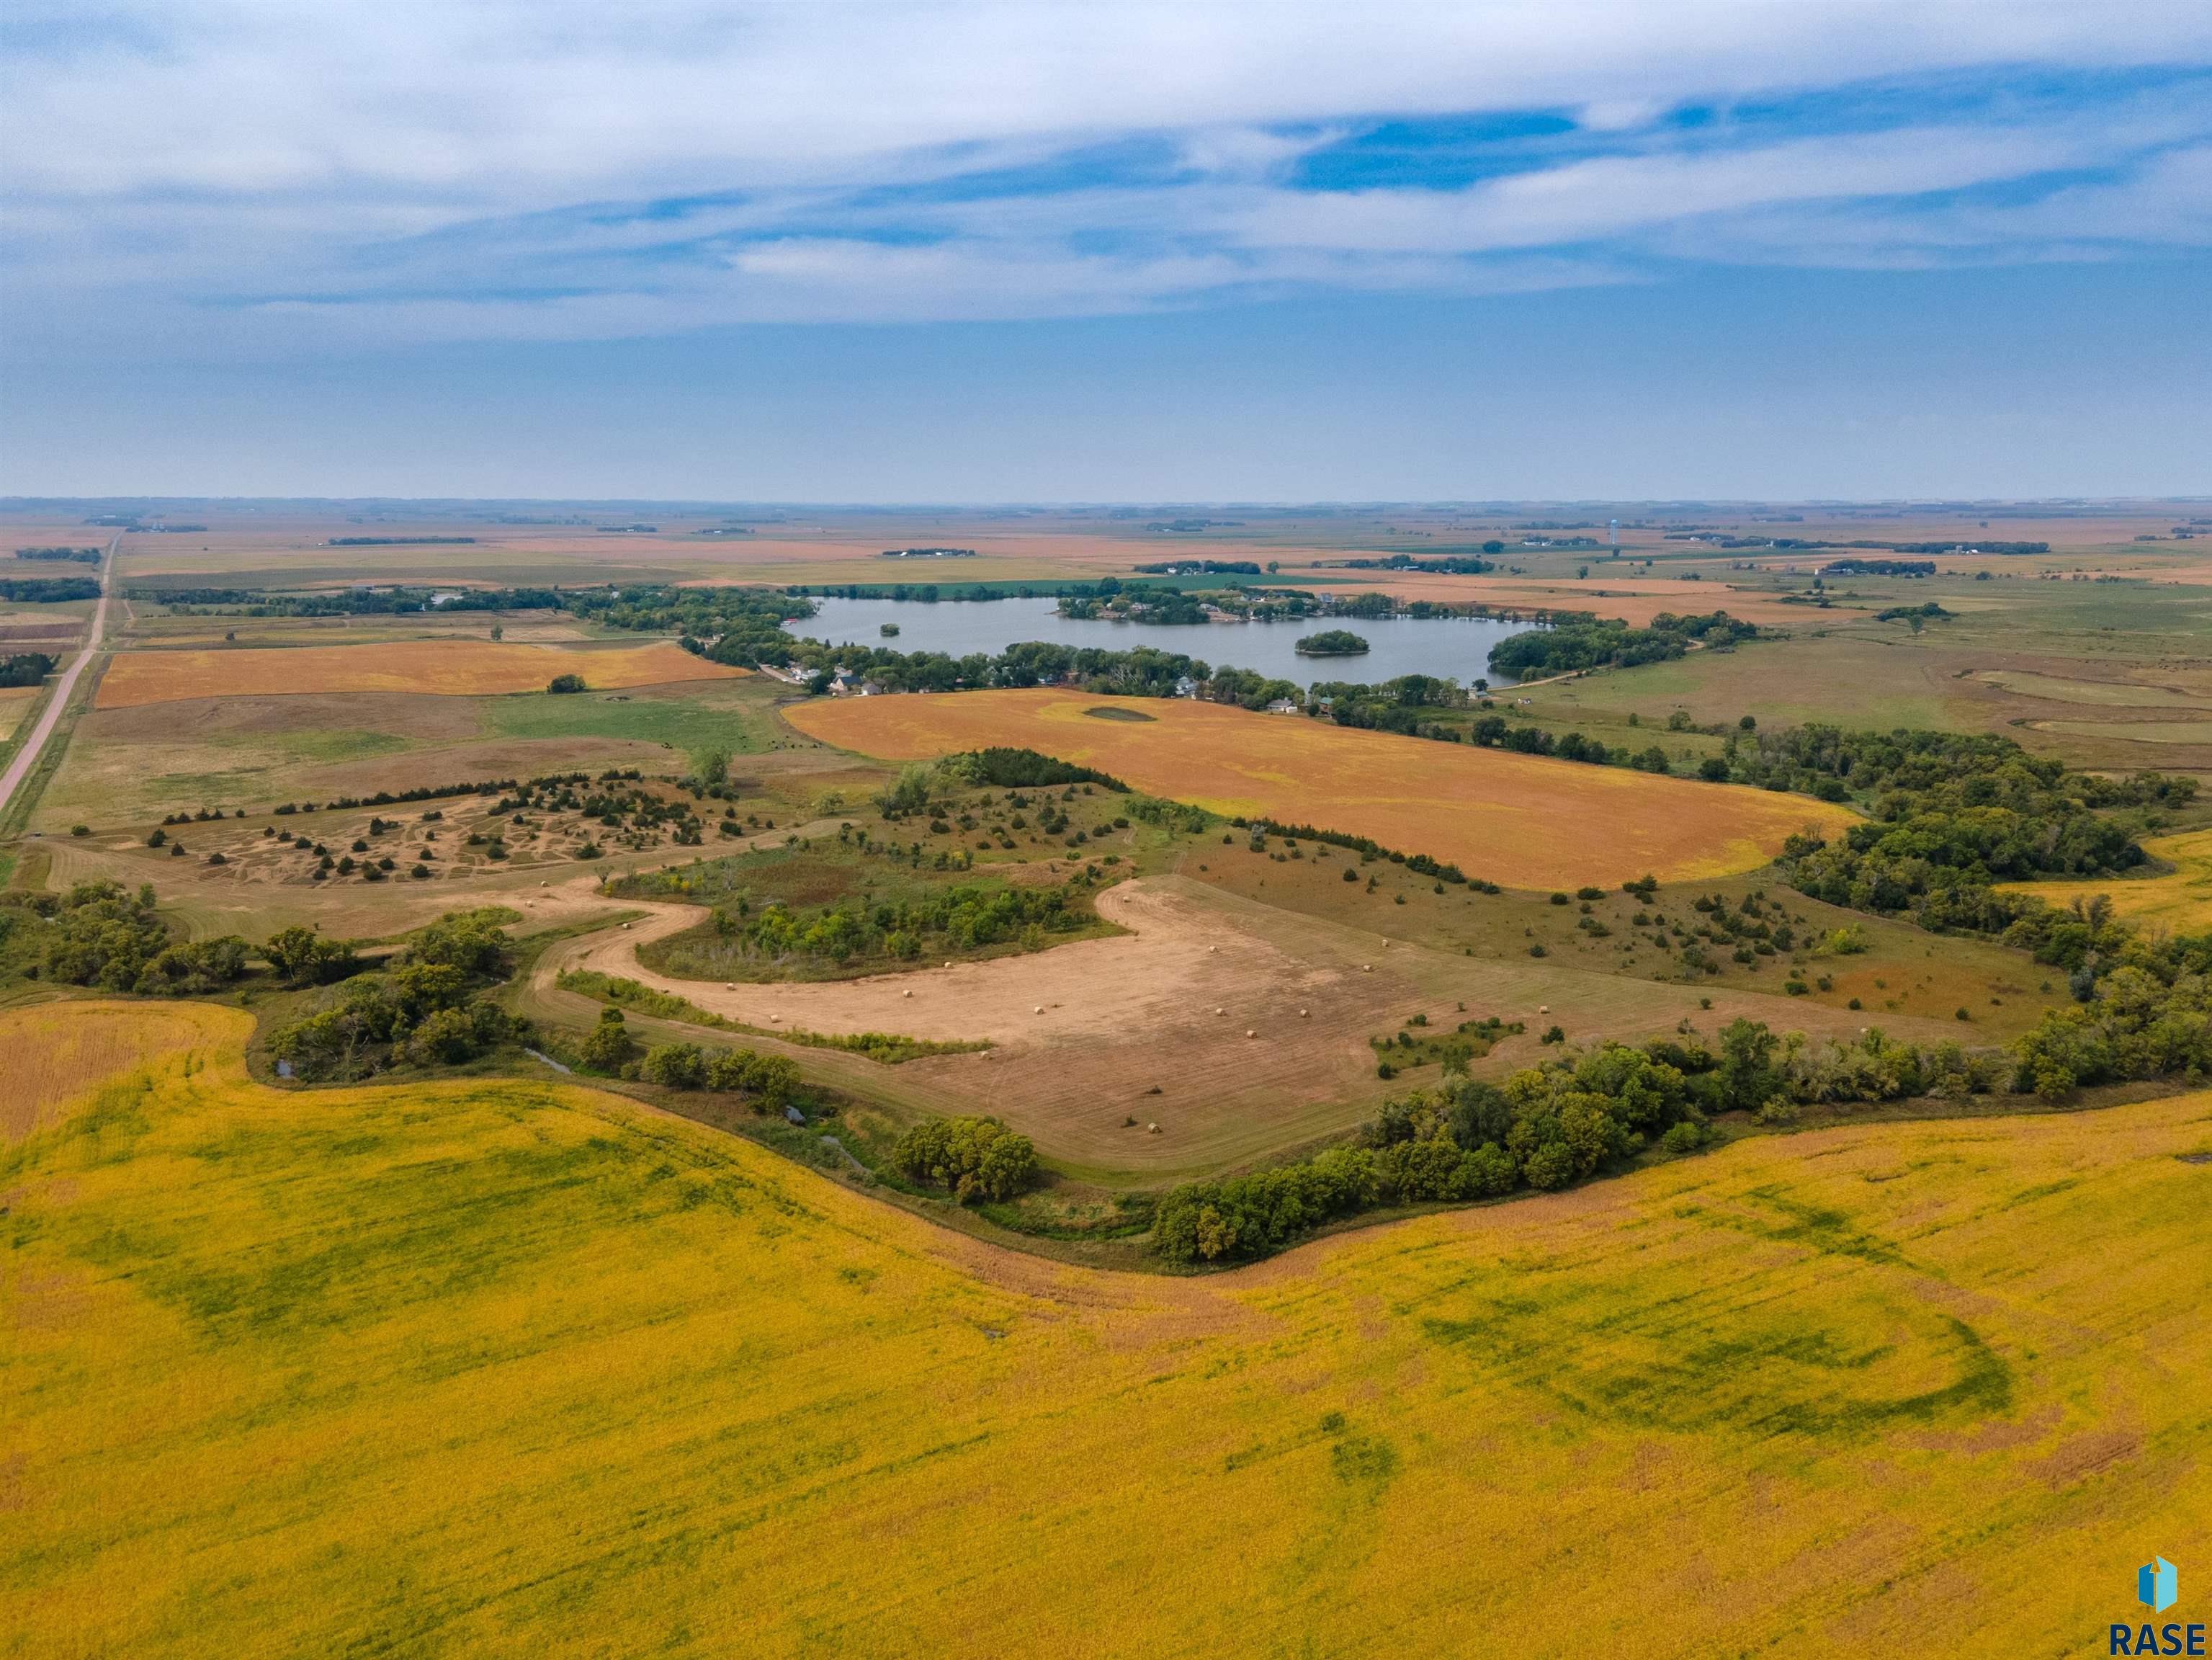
(1331,642)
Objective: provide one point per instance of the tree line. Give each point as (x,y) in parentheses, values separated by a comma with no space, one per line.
(1549,1126)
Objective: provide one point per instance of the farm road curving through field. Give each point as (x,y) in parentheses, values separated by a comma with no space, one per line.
(1091,1034)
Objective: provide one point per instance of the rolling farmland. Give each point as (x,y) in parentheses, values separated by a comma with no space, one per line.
(503,1367)
(1520,820)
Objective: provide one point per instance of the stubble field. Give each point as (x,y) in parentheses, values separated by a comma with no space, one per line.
(457,668)
(1519,820)
(508,1368)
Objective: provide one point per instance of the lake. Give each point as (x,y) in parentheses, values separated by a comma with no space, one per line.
(1453,646)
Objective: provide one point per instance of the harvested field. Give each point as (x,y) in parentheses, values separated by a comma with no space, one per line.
(506,1368)
(14,703)
(1084,1030)
(1519,820)
(59,1052)
(460,668)
(2180,900)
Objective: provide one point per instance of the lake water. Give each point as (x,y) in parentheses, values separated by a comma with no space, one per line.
(1455,646)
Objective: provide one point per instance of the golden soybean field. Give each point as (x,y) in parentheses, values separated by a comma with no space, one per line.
(1521,820)
(2180,901)
(452,668)
(491,1368)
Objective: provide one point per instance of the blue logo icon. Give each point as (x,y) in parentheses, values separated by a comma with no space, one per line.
(2157,1585)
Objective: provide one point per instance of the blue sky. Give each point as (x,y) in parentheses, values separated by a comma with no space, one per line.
(1107,252)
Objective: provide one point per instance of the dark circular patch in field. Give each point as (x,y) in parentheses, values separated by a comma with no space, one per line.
(1105,713)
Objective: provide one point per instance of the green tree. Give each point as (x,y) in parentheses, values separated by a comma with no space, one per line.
(301,957)
(610,1046)
(1747,1074)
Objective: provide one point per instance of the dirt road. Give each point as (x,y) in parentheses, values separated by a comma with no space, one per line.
(27,757)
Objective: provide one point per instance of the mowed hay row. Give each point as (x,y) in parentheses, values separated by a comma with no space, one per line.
(57,1053)
(452,668)
(1516,819)
(579,1379)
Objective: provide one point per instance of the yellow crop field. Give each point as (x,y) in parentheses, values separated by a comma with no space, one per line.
(504,1368)
(2180,900)
(57,1052)
(452,668)
(1517,819)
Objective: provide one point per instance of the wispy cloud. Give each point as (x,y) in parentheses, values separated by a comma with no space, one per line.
(194,173)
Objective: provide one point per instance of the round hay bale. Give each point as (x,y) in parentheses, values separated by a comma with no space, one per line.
(1248,1032)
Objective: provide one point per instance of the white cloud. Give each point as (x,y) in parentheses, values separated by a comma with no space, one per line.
(377,170)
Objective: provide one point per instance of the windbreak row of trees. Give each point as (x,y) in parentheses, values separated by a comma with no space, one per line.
(47,590)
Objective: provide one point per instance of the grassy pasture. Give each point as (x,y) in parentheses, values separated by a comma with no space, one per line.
(440,668)
(127,765)
(1897,971)
(1519,820)
(499,1368)
(2105,675)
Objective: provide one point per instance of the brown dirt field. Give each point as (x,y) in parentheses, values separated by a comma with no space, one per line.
(1519,820)
(1120,1015)
(58,1051)
(457,668)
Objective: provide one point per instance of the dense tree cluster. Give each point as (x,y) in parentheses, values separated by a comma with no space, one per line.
(767,1082)
(1583,641)
(975,1159)
(1952,813)
(25,668)
(961,918)
(425,1009)
(99,933)
(1020,768)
